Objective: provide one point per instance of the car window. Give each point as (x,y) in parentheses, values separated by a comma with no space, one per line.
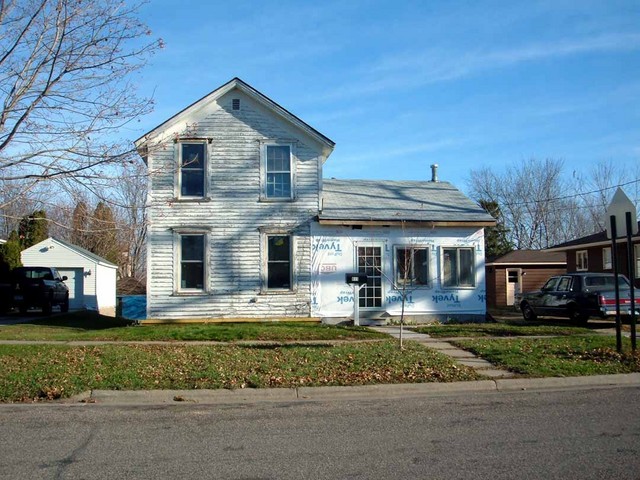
(564,284)
(605,281)
(551,283)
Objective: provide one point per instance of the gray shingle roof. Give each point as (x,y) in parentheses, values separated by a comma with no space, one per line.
(386,200)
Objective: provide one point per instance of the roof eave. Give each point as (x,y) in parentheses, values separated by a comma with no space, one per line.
(413,223)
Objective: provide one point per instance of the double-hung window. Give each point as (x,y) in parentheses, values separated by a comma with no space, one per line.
(192,163)
(412,266)
(582,261)
(279,272)
(458,267)
(278,172)
(192,262)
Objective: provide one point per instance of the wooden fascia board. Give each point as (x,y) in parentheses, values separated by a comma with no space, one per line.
(406,223)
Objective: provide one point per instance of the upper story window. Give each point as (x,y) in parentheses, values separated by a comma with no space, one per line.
(412,266)
(192,163)
(458,267)
(582,260)
(278,172)
(606,258)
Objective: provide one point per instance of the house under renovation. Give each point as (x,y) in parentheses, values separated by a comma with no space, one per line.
(243,225)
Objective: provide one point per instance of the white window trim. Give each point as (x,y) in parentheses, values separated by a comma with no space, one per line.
(582,261)
(607,265)
(636,250)
(177,261)
(178,171)
(399,286)
(293,242)
(475,267)
(263,170)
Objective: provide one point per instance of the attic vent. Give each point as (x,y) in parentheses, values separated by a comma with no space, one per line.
(235,104)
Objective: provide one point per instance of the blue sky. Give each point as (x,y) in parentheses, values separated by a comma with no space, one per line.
(401,85)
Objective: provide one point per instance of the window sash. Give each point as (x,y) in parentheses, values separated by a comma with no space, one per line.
(607,262)
(192,262)
(279,275)
(458,265)
(192,163)
(582,260)
(278,181)
(412,266)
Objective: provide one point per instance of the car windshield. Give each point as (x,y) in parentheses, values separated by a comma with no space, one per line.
(605,281)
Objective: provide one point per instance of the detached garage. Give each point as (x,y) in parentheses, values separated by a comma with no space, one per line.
(91,279)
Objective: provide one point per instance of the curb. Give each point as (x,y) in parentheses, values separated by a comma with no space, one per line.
(366,392)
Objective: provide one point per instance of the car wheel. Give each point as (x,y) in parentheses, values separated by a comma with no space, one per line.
(64,306)
(528,313)
(576,316)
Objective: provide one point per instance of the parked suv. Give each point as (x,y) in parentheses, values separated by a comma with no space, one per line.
(39,287)
(577,296)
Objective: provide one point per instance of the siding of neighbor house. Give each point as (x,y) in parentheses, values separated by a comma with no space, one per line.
(534,277)
(595,259)
(233,215)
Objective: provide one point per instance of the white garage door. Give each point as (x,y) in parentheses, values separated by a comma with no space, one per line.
(75,282)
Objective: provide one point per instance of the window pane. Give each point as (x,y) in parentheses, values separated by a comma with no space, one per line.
(278,185)
(421,266)
(279,248)
(449,267)
(192,183)
(279,275)
(192,276)
(403,272)
(278,158)
(193,248)
(193,155)
(467,277)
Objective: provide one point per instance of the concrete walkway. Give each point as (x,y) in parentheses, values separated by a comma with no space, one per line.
(461,356)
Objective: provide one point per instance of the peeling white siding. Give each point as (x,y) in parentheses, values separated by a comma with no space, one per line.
(232,214)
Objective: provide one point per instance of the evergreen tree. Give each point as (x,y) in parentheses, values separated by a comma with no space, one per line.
(104,234)
(496,241)
(80,226)
(10,254)
(33,229)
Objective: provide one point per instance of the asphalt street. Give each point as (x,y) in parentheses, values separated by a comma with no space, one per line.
(586,433)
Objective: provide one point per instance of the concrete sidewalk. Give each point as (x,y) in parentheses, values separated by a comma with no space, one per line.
(459,355)
(368,392)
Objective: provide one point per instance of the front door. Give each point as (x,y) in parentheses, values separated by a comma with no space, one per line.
(370,263)
(513,284)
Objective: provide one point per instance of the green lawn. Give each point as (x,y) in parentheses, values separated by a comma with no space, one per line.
(32,372)
(556,357)
(81,326)
(506,329)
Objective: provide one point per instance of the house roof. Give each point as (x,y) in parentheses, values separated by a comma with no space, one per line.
(79,250)
(251,92)
(530,257)
(386,202)
(595,239)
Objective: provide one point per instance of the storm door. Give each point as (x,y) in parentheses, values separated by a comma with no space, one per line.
(370,263)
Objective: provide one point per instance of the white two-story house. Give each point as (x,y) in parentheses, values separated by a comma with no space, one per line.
(242,224)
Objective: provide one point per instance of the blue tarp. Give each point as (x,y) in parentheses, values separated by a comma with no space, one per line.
(133,307)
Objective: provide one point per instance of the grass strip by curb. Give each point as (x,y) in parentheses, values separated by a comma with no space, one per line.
(32,372)
(557,356)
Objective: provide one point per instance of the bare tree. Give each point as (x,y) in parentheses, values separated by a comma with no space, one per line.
(66,88)
(541,207)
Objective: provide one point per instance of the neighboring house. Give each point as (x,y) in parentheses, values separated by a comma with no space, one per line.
(2,241)
(242,224)
(520,271)
(593,253)
(90,278)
